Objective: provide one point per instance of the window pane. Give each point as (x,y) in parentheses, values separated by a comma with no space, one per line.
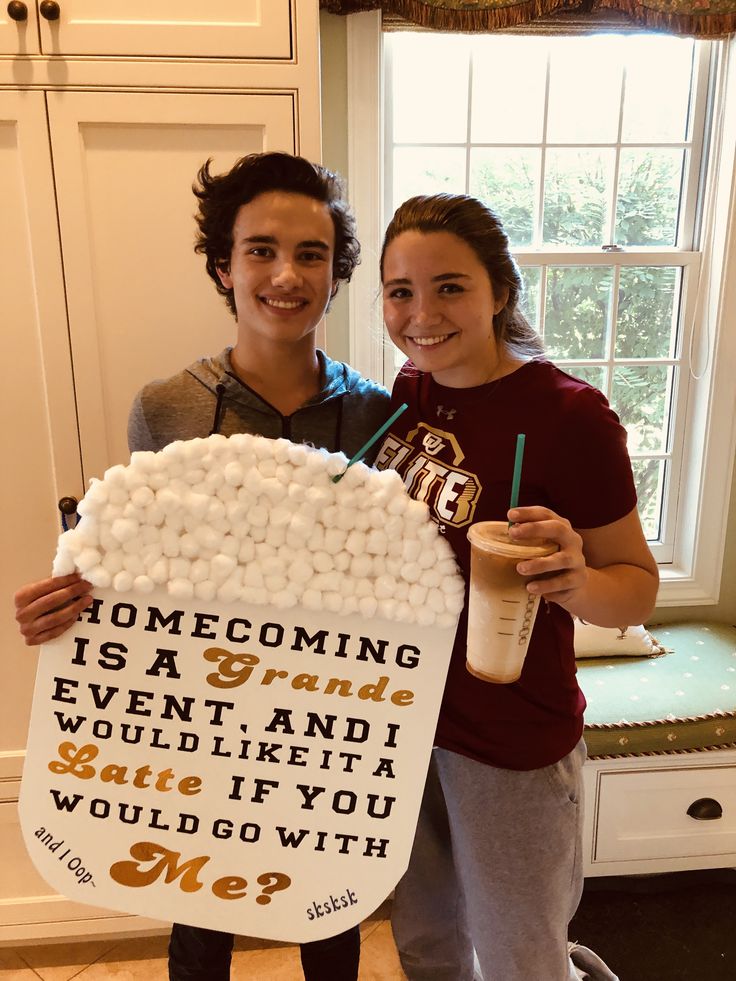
(648,196)
(640,396)
(577,311)
(585,90)
(529,302)
(495,61)
(427,170)
(592,374)
(576,195)
(508,181)
(649,481)
(646,303)
(657,113)
(440,115)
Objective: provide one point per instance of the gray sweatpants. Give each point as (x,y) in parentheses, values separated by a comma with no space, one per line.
(495,866)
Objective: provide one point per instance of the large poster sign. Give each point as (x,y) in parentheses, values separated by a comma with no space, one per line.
(252,768)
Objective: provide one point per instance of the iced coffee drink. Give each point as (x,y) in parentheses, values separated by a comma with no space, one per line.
(500,611)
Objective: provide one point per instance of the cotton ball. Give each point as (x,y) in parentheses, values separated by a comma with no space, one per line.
(234,474)
(216,511)
(122,581)
(430,578)
(435,600)
(402,590)
(404,612)
(170,542)
(360,566)
(205,590)
(194,476)
(255,594)
(105,541)
(322,561)
(258,534)
(364,587)
(87,559)
(168,500)
(417,594)
(230,590)
(275,536)
(134,546)
(342,561)
(63,564)
(135,479)
(222,566)
(196,504)
(258,516)
(284,474)
(273,489)
(180,588)
(99,577)
(454,603)
(144,460)
(335,464)
(349,605)
(133,564)
(179,568)
(253,575)
(246,551)
(154,515)
(326,582)
(387,609)
(453,585)
(410,572)
(117,496)
(300,571)
(333,602)
(284,599)
(376,542)
(316,540)
(394,527)
(355,476)
(115,476)
(425,616)
(273,564)
(318,498)
(207,537)
(159,571)
(151,553)
(189,546)
(158,480)
(267,467)
(275,584)
(227,494)
(368,606)
(345,519)
(398,503)
(355,543)
(237,511)
(175,522)
(143,584)
(385,587)
(280,517)
(296,495)
(93,501)
(312,599)
(230,546)
(199,570)
(411,549)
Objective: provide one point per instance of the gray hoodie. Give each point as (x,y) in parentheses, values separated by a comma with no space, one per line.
(208,397)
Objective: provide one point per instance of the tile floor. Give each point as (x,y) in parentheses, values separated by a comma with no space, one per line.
(145,959)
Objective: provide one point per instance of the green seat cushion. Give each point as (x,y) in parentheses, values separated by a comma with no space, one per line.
(683,701)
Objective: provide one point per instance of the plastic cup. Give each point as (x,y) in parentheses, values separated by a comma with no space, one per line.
(501,612)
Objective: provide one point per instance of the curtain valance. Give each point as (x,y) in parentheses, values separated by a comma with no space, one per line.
(696,18)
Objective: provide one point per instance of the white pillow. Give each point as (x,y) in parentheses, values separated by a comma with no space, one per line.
(592,641)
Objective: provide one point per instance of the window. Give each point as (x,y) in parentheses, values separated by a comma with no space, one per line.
(600,179)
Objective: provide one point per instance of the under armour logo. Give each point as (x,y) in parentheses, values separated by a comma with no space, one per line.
(448,413)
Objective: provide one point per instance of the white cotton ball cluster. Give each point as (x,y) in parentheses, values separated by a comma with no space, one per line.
(255,520)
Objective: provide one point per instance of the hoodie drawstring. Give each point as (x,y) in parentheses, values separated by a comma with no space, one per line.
(220,389)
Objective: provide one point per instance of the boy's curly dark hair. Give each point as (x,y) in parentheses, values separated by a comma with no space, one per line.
(222,195)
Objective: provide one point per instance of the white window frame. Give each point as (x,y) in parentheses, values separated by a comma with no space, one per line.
(693,576)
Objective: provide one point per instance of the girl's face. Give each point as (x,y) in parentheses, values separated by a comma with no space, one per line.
(438,305)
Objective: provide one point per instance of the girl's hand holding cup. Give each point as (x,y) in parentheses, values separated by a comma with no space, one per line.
(562,574)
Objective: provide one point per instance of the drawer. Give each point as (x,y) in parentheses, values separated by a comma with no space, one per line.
(642,813)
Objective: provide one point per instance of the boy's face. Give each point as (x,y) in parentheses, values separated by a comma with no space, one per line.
(281,266)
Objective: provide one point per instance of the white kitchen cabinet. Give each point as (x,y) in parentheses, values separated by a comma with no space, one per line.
(104,121)
(660,813)
(248,29)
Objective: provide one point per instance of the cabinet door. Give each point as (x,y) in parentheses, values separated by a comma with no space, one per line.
(187,28)
(19,37)
(140,303)
(39,434)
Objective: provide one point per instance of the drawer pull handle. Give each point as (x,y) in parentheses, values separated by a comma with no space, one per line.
(50,9)
(705,809)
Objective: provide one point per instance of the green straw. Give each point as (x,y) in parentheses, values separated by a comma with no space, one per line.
(516,480)
(377,435)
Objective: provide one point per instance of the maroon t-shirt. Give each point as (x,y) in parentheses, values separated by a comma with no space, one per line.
(455,448)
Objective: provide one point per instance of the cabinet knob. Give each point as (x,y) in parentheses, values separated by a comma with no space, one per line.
(17,10)
(50,9)
(68,505)
(705,809)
